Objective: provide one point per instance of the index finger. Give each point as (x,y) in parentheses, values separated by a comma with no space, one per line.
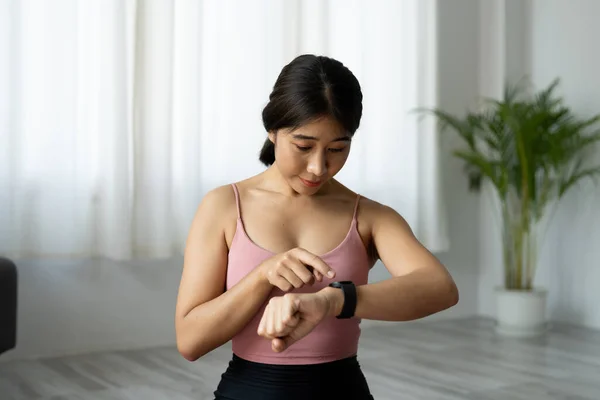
(314,261)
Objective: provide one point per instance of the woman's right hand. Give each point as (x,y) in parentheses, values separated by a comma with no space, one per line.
(294,269)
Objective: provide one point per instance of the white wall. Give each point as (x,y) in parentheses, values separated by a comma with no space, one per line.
(74,307)
(458,33)
(561,40)
(458,65)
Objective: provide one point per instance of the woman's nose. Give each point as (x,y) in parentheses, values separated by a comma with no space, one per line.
(317,165)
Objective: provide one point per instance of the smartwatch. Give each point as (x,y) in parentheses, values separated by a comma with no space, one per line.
(350,298)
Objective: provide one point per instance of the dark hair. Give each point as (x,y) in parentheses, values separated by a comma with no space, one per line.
(307,88)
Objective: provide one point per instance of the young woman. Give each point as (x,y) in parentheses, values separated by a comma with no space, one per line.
(278,263)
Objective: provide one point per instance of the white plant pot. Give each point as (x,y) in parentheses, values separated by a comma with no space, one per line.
(521,313)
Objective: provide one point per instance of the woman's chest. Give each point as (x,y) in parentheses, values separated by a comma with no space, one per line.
(318,228)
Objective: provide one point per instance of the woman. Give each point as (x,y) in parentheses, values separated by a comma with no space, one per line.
(278,263)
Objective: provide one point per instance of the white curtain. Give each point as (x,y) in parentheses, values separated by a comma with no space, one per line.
(116,117)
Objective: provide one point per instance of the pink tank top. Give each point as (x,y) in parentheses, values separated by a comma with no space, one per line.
(333,338)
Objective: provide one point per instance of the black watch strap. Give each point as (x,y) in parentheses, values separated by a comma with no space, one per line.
(350,298)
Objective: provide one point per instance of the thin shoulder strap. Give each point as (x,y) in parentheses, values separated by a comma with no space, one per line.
(356,208)
(237,200)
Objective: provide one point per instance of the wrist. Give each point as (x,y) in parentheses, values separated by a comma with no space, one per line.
(335,300)
(261,276)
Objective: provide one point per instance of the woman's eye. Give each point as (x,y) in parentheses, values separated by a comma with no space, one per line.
(306,148)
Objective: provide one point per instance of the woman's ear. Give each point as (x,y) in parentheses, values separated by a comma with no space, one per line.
(272,137)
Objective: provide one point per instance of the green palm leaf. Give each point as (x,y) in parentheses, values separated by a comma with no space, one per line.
(532,149)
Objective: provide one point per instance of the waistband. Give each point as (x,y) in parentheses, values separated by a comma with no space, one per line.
(249,380)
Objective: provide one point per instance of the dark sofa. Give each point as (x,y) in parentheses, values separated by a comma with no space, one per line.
(8,305)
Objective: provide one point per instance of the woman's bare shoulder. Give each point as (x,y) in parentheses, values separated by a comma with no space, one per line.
(371,211)
(371,206)
(219,198)
(366,204)
(223,197)
(218,205)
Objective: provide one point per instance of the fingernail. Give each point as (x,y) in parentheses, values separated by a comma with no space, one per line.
(331,274)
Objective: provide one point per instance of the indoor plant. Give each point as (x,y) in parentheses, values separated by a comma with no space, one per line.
(531,148)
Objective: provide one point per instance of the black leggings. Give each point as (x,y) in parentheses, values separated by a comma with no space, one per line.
(247,380)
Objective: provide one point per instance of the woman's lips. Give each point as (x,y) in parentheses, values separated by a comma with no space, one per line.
(310,183)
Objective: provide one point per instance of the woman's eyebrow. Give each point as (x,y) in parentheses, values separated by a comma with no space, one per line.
(306,137)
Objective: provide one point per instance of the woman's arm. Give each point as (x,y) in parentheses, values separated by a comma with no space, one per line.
(204,317)
(420,284)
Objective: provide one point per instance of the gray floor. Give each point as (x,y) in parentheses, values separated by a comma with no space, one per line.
(448,360)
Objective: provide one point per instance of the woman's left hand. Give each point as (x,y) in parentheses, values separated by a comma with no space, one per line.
(289,318)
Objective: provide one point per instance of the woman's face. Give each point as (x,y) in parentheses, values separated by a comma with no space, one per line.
(312,154)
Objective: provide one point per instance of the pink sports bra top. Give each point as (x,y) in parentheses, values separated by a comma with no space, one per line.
(333,338)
